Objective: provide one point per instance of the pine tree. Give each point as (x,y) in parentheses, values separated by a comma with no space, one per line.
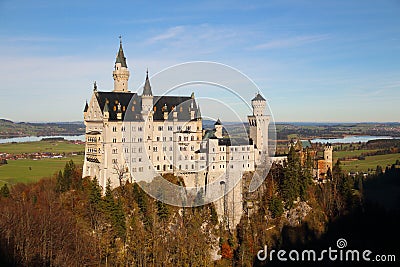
(94,202)
(378,170)
(59,184)
(118,219)
(69,170)
(290,186)
(4,191)
(275,206)
(306,177)
(162,209)
(108,201)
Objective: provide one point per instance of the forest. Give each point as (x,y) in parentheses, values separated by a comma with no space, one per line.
(65,220)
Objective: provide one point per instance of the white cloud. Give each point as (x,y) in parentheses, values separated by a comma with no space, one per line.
(168,34)
(291,41)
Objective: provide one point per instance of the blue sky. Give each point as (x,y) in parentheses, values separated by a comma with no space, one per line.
(321,61)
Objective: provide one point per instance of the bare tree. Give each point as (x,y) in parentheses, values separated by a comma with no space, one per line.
(120,170)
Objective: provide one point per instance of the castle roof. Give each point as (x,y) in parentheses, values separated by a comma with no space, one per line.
(147,87)
(110,101)
(183,105)
(209,134)
(86,107)
(258,97)
(218,122)
(121,57)
(132,103)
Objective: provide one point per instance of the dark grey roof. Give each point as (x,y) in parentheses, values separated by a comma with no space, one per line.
(306,143)
(121,57)
(182,104)
(218,122)
(110,100)
(147,87)
(258,97)
(132,104)
(224,142)
(209,134)
(86,107)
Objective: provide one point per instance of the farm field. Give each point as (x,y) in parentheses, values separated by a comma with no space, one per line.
(351,153)
(370,162)
(41,146)
(28,170)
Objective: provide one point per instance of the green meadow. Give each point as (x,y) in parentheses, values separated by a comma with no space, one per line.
(351,153)
(41,146)
(370,162)
(29,170)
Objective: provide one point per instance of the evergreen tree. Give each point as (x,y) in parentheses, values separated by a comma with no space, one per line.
(275,206)
(336,170)
(64,180)
(306,178)
(95,192)
(59,183)
(4,191)
(118,219)
(162,209)
(290,187)
(378,170)
(108,201)
(69,170)
(94,202)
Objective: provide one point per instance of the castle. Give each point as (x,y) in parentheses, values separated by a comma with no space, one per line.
(321,165)
(132,137)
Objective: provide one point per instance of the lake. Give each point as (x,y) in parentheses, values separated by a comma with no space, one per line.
(346,139)
(352,139)
(38,138)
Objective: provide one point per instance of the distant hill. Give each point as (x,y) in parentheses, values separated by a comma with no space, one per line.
(9,129)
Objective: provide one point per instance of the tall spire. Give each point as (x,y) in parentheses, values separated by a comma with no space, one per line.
(147,87)
(120,56)
(86,107)
(121,72)
(258,97)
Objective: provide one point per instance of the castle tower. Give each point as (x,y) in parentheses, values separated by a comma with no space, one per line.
(120,73)
(218,129)
(328,149)
(259,123)
(147,96)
